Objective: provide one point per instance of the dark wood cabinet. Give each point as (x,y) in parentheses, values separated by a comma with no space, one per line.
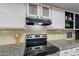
(77,34)
(77,21)
(77,26)
(69,20)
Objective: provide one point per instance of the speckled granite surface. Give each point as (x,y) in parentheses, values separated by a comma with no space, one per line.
(12,50)
(65,44)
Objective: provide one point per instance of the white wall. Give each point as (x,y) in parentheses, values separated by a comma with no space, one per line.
(12,15)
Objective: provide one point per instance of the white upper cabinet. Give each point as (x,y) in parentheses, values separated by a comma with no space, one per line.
(39,11)
(12,15)
(45,11)
(33,10)
(58,18)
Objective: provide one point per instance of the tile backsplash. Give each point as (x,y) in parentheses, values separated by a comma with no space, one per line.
(59,34)
(8,36)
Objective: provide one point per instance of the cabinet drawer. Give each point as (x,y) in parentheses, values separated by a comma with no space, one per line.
(65,52)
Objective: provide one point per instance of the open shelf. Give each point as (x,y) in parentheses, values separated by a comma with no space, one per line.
(69,20)
(76,21)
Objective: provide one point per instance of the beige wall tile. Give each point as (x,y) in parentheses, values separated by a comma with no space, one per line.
(8,36)
(58,35)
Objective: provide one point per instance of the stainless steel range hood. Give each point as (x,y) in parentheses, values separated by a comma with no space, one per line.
(34,21)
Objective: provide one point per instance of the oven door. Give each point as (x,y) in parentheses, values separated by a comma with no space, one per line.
(36,42)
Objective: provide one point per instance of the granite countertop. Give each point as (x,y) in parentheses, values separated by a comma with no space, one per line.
(65,44)
(12,50)
(16,50)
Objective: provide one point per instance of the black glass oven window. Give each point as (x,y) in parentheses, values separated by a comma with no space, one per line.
(36,42)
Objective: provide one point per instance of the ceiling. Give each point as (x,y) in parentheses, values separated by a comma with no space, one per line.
(70,6)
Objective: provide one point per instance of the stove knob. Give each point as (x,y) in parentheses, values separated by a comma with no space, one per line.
(43,36)
(28,37)
(29,48)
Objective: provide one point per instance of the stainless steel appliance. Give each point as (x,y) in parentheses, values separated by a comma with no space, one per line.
(36,44)
(34,21)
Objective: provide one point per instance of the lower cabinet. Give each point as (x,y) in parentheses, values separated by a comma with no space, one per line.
(77,34)
(70,52)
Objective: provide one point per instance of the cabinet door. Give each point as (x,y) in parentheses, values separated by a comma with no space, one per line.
(58,18)
(11,15)
(33,10)
(45,11)
(77,34)
(77,21)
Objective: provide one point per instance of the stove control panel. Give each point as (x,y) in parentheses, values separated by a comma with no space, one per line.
(34,36)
